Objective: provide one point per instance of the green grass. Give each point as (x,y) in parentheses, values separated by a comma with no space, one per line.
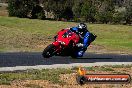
(122,66)
(109,68)
(114,36)
(100,68)
(25,34)
(51,75)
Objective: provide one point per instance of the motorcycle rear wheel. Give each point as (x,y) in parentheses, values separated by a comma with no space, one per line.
(48,51)
(73,56)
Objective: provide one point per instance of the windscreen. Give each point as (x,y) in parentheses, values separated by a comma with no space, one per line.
(67,34)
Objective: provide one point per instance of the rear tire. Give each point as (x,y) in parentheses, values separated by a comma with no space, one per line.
(73,56)
(48,51)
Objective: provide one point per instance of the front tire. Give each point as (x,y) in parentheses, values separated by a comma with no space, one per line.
(48,51)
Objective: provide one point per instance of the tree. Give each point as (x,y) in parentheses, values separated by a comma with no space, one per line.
(106,11)
(37,12)
(60,8)
(19,8)
(77,8)
(118,17)
(22,8)
(105,17)
(67,13)
(88,11)
(128,13)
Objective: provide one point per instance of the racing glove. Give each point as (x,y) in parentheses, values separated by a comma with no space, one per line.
(79,45)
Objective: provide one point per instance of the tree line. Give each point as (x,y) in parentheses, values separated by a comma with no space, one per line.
(94,11)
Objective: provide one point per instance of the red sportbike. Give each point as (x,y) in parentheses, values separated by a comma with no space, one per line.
(64,44)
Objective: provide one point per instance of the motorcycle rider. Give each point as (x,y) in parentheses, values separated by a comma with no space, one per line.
(84,34)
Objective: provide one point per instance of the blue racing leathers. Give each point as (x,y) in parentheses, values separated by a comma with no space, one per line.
(84,35)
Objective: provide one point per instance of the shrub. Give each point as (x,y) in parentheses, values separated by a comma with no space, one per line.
(19,8)
(22,9)
(118,17)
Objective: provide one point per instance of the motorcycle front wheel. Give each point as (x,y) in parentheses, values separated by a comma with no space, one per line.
(48,51)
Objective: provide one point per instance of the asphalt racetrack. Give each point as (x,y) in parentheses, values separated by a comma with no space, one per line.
(34,60)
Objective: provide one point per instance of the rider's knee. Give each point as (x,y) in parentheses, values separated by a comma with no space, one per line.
(80,53)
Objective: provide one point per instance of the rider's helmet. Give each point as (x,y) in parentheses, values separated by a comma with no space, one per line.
(82,26)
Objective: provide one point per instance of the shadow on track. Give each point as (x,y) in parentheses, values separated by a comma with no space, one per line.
(35,58)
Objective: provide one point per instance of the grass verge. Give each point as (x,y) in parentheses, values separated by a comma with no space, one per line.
(53,75)
(21,34)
